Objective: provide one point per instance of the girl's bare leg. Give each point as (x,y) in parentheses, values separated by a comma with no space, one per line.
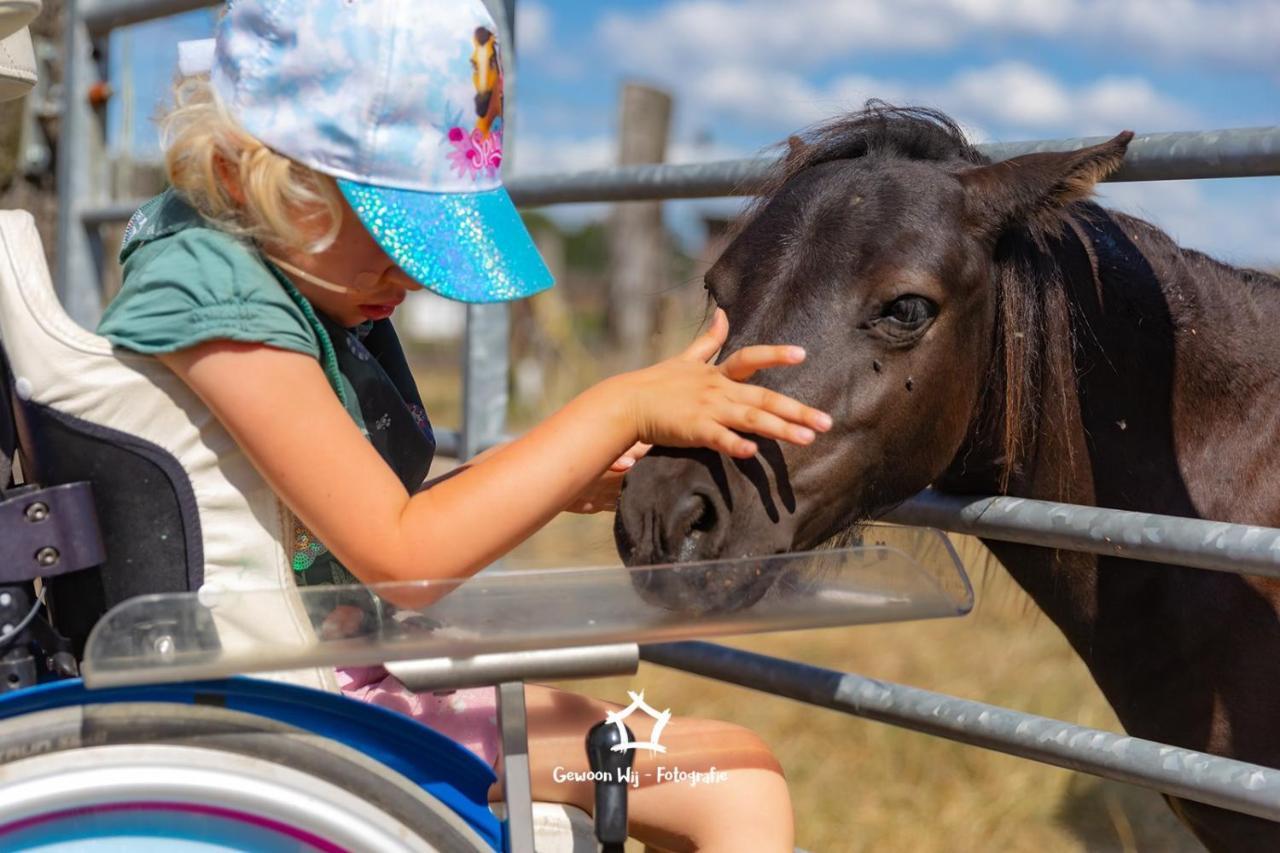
(749,810)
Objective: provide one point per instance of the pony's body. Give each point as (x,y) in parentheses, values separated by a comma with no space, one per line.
(985,329)
(1164,411)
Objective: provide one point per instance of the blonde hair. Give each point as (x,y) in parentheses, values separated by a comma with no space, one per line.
(284,202)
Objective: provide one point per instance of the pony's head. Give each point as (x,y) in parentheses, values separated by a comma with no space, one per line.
(888,247)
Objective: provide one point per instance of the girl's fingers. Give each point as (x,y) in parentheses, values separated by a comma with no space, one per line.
(744,363)
(724,440)
(631,457)
(710,341)
(781,405)
(759,422)
(638,450)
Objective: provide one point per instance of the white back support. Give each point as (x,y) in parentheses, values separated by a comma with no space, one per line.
(57,364)
(16,14)
(17,65)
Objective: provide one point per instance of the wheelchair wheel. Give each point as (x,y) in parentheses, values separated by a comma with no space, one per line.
(159,776)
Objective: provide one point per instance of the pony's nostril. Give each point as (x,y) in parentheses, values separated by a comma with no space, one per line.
(705,521)
(695,513)
(694,521)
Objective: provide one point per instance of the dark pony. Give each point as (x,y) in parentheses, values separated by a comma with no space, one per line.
(985,328)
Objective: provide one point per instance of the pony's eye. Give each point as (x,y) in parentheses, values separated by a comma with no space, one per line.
(909,311)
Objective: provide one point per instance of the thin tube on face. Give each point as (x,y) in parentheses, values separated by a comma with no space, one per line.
(364,282)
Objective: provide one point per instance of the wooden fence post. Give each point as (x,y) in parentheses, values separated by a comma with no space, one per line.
(637,239)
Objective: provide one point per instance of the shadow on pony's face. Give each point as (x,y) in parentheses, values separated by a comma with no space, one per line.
(882,267)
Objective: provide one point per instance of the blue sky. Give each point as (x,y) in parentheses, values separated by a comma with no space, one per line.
(745,73)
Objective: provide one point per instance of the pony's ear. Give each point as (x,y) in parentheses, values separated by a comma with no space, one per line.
(1033,189)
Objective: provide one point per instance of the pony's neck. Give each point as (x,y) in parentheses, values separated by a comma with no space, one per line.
(1155,375)
(1222,363)
(1152,368)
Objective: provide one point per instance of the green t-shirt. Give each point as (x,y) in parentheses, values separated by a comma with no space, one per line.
(199,284)
(185,283)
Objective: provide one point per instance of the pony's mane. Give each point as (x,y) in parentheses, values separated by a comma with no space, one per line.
(911,133)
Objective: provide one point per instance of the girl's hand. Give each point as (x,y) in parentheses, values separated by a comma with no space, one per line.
(602,495)
(687,402)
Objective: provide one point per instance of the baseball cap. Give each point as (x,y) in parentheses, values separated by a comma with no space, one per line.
(401,102)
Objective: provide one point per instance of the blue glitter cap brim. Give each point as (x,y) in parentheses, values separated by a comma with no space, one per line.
(472,247)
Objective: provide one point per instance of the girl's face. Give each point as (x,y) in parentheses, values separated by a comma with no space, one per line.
(355,261)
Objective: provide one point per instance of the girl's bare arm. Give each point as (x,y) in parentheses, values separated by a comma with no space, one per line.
(280,409)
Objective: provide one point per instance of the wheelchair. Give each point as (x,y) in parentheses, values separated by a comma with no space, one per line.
(130,487)
(115,483)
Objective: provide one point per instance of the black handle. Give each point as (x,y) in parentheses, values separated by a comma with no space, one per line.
(611,769)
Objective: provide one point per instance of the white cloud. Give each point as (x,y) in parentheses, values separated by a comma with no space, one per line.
(536,38)
(541,154)
(810,32)
(1012,95)
(533,26)
(1031,99)
(1241,33)
(806,32)
(1233,224)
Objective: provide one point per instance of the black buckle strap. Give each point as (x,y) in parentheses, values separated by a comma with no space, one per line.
(46,532)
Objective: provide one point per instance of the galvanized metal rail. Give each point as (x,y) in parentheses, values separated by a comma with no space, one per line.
(1230,153)
(1235,785)
(1238,548)
(1242,549)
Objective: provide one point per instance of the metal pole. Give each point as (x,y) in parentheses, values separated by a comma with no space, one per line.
(483,670)
(1223,782)
(517,791)
(1230,153)
(486,342)
(81,178)
(1244,152)
(484,378)
(484,413)
(1217,545)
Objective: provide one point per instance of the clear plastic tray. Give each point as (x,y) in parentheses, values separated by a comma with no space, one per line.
(893,574)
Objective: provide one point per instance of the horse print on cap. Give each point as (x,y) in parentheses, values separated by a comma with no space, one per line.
(480,150)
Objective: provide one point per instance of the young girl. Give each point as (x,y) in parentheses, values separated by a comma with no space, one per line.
(340,155)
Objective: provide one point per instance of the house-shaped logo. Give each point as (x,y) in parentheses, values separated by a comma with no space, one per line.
(638,704)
